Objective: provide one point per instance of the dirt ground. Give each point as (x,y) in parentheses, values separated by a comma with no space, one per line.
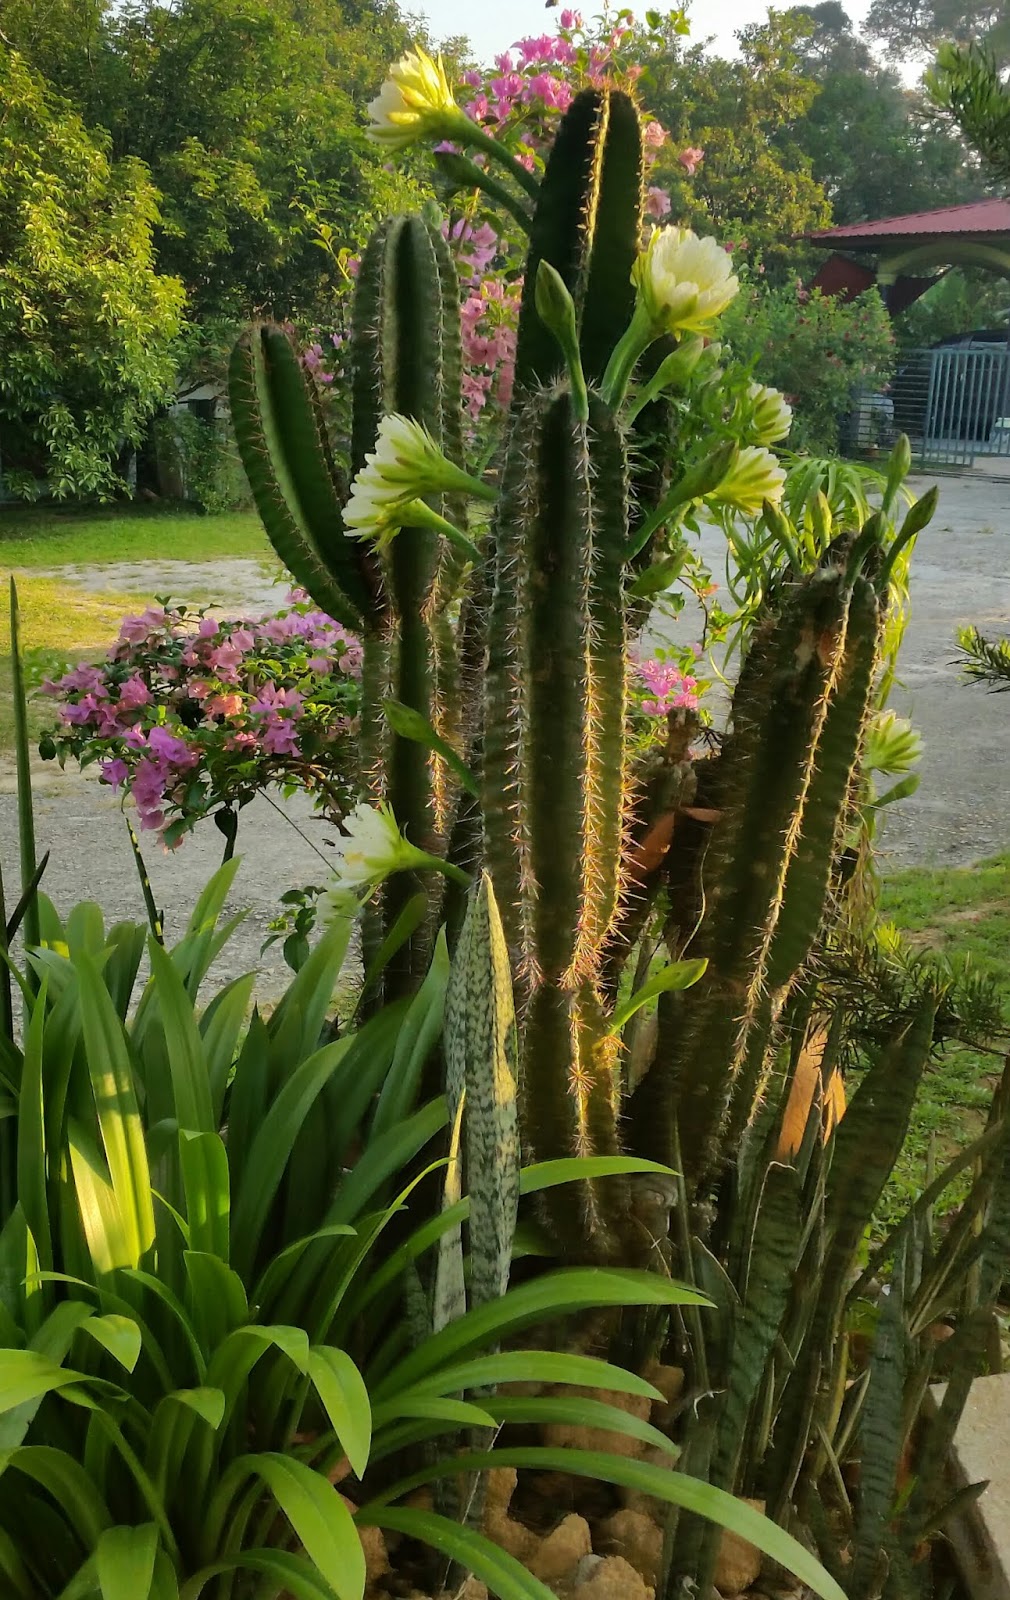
(961,574)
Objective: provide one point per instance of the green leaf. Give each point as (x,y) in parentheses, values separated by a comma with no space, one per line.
(25,1375)
(502,1573)
(118,1114)
(204,1164)
(186,1059)
(410,724)
(289,1574)
(320,1520)
(556,1294)
(119,1335)
(675,1488)
(532,1366)
(461,1413)
(220,1027)
(417,1037)
(410,918)
(217,1299)
(344,1397)
(678,975)
(67,1483)
(578,1411)
(542,1175)
(125,1562)
(22,753)
(272,1146)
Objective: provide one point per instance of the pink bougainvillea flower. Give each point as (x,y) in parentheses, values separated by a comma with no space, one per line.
(171,748)
(654,135)
(135,630)
(134,693)
(114,773)
(657,202)
(691,159)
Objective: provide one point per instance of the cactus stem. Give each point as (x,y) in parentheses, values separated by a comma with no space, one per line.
(477,139)
(633,343)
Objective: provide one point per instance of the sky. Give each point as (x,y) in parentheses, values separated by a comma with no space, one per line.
(492,25)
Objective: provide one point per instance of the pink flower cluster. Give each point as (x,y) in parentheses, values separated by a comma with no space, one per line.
(670,688)
(190,712)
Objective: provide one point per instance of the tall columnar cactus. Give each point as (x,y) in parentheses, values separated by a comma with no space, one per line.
(555,758)
(798,714)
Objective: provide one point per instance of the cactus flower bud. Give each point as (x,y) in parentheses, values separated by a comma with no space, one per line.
(754,477)
(556,310)
(415,102)
(771,414)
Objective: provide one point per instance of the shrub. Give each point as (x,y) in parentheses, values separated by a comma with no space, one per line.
(818,350)
(191,716)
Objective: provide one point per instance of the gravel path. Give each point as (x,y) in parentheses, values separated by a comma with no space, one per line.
(961,574)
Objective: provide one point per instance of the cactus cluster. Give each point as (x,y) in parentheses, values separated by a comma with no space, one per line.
(495,718)
(495,731)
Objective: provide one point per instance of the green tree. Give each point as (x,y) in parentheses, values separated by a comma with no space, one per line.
(86,323)
(869,143)
(755,185)
(911,29)
(248,114)
(968,89)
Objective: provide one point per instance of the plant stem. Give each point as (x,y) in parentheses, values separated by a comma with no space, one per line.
(153,914)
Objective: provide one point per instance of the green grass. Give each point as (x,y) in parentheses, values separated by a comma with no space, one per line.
(960,912)
(46,536)
(59,623)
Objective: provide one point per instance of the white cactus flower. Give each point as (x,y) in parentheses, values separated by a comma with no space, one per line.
(683,282)
(369,849)
(405,465)
(771,414)
(754,477)
(415,102)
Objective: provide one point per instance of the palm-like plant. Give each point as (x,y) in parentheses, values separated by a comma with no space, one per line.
(206,1380)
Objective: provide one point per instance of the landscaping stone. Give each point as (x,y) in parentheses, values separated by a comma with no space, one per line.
(635,1536)
(561,1551)
(738,1564)
(613,1579)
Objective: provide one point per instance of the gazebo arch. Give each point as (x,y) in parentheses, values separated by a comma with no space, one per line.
(977,234)
(953,401)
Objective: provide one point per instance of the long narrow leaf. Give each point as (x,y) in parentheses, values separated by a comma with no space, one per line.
(675,1488)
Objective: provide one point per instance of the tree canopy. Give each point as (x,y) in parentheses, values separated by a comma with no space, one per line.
(247,114)
(86,324)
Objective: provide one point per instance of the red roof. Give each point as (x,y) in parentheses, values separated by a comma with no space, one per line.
(980,216)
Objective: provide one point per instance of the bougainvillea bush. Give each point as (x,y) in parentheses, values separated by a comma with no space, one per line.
(191,716)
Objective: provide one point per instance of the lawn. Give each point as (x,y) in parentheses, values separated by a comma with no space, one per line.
(62,621)
(46,536)
(959,912)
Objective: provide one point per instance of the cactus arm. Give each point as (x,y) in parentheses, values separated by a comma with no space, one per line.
(279,437)
(587,226)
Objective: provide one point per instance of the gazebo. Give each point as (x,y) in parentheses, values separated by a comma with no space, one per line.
(953,400)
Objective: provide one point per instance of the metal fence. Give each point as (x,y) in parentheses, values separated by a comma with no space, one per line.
(953,402)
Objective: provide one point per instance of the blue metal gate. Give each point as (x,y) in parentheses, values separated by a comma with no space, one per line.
(954,403)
